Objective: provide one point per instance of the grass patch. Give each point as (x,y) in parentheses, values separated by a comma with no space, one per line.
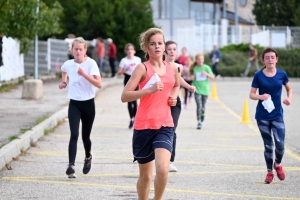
(47,131)
(7,87)
(23,152)
(3,145)
(32,144)
(23,130)
(13,138)
(40,120)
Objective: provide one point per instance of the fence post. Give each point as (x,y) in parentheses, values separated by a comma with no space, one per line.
(49,54)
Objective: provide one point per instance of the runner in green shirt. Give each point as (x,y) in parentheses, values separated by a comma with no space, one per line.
(200,74)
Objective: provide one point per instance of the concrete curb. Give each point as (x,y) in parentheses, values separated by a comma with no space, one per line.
(24,141)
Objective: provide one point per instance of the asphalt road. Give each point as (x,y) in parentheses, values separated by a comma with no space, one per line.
(223,160)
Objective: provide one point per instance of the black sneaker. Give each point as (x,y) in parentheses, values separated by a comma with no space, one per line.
(71,171)
(87,165)
(130,124)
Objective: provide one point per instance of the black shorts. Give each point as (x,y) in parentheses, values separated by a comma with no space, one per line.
(145,141)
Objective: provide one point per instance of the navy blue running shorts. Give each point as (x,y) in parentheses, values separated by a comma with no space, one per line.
(145,141)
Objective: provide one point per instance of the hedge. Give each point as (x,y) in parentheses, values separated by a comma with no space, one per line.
(235,58)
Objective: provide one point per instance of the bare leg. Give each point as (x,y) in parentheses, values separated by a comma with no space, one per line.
(248,68)
(256,65)
(162,161)
(144,180)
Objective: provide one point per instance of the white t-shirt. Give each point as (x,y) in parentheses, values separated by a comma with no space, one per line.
(80,89)
(132,63)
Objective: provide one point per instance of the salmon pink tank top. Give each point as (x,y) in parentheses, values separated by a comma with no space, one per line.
(154,111)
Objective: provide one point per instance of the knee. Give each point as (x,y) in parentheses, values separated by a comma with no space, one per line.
(280,148)
(145,178)
(85,139)
(162,171)
(74,137)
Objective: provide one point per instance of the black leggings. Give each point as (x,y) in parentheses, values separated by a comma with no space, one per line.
(186,92)
(112,66)
(84,111)
(132,106)
(214,68)
(175,112)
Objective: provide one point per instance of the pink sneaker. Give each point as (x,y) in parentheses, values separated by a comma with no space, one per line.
(280,172)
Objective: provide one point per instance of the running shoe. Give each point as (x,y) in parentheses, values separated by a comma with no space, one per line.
(202,117)
(199,126)
(269,178)
(87,165)
(172,167)
(280,172)
(130,124)
(71,171)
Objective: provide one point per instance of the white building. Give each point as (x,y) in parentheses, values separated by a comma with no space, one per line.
(200,24)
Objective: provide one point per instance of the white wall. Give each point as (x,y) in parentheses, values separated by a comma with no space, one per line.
(13,61)
(164,24)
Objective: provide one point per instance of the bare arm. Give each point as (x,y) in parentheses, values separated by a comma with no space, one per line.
(175,89)
(120,71)
(255,96)
(210,76)
(186,85)
(289,91)
(95,80)
(63,83)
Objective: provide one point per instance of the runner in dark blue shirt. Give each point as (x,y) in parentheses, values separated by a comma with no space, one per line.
(269,113)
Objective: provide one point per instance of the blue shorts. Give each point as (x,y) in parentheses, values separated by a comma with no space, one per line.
(145,141)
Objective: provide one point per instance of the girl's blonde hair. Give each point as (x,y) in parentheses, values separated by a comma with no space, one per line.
(128,45)
(79,40)
(145,37)
(195,63)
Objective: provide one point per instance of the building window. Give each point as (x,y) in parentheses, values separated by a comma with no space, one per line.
(207,13)
(243,3)
(202,12)
(161,9)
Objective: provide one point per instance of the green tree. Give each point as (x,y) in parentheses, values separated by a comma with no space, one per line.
(19,20)
(277,12)
(121,20)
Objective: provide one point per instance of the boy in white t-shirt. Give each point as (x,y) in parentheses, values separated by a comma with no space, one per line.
(126,67)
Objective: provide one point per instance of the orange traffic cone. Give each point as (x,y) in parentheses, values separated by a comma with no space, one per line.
(214,93)
(246,115)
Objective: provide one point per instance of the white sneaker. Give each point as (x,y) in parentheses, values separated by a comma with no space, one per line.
(172,167)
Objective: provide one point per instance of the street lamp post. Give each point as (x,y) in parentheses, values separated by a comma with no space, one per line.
(171,19)
(36,63)
(236,23)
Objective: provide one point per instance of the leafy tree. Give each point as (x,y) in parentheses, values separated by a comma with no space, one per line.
(121,20)
(19,20)
(277,12)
